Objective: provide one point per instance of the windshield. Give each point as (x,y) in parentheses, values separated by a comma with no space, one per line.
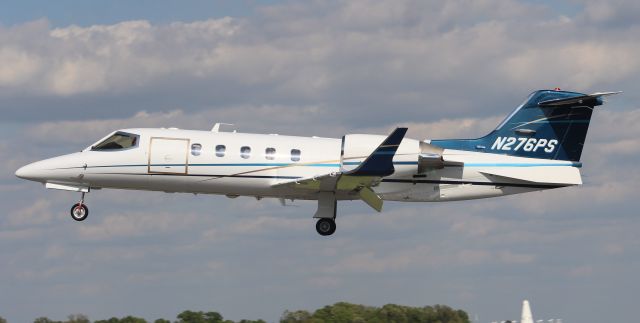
(119,140)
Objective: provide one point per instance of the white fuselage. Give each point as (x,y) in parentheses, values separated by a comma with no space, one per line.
(174,160)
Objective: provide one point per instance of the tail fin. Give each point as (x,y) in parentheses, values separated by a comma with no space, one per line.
(526,313)
(550,124)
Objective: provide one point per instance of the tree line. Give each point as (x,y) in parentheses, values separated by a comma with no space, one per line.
(341,312)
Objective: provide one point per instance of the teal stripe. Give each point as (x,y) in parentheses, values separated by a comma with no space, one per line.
(224,165)
(520,165)
(266,165)
(579,165)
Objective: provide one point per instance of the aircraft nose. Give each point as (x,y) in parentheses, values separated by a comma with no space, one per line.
(29,172)
(61,168)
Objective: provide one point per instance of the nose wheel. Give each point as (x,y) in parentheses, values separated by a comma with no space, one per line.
(79,211)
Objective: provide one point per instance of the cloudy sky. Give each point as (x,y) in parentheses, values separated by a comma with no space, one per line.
(71,71)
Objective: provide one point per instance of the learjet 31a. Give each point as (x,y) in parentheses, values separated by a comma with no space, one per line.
(537,147)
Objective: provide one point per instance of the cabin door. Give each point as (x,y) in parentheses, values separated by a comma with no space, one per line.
(168,155)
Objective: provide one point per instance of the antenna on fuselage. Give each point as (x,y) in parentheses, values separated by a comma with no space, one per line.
(216,127)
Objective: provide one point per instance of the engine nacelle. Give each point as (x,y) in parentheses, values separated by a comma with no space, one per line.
(430,158)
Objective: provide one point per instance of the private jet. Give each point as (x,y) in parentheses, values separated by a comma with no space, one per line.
(537,147)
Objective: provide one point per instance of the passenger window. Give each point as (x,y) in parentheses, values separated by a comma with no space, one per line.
(220,150)
(295,155)
(196,149)
(245,152)
(119,140)
(270,153)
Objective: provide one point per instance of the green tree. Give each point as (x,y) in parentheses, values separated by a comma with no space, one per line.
(77,318)
(45,320)
(295,317)
(111,320)
(199,317)
(2,320)
(132,319)
(346,312)
(213,317)
(127,319)
(161,321)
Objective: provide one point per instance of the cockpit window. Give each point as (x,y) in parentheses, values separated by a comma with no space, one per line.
(119,140)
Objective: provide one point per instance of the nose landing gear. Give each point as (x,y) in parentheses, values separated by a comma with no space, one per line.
(79,211)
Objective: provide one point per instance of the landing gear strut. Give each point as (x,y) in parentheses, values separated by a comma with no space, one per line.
(80,211)
(326,226)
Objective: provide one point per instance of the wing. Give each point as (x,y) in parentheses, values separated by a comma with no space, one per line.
(368,174)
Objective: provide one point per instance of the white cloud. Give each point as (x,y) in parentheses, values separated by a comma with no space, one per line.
(574,65)
(37,213)
(135,224)
(99,58)
(290,122)
(19,66)
(357,56)
(444,128)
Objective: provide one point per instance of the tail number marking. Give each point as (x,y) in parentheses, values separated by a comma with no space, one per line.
(526,144)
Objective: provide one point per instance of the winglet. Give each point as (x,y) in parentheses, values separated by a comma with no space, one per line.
(380,162)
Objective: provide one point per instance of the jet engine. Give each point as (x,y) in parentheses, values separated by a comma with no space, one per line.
(429,158)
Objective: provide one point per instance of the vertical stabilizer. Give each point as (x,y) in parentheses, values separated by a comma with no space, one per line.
(526,313)
(550,124)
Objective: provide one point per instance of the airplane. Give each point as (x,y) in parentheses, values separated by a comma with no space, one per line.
(537,147)
(526,316)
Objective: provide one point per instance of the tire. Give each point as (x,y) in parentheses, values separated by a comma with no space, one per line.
(326,227)
(79,212)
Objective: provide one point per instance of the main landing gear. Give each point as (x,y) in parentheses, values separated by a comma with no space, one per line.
(326,227)
(80,211)
(326,213)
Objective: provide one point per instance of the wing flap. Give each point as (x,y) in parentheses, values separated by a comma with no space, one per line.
(371,198)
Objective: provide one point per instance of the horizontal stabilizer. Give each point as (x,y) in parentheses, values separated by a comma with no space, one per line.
(380,162)
(583,99)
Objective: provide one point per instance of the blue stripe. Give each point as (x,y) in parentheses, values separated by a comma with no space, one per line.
(265,164)
(575,164)
(521,164)
(223,165)
(395,163)
(406,163)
